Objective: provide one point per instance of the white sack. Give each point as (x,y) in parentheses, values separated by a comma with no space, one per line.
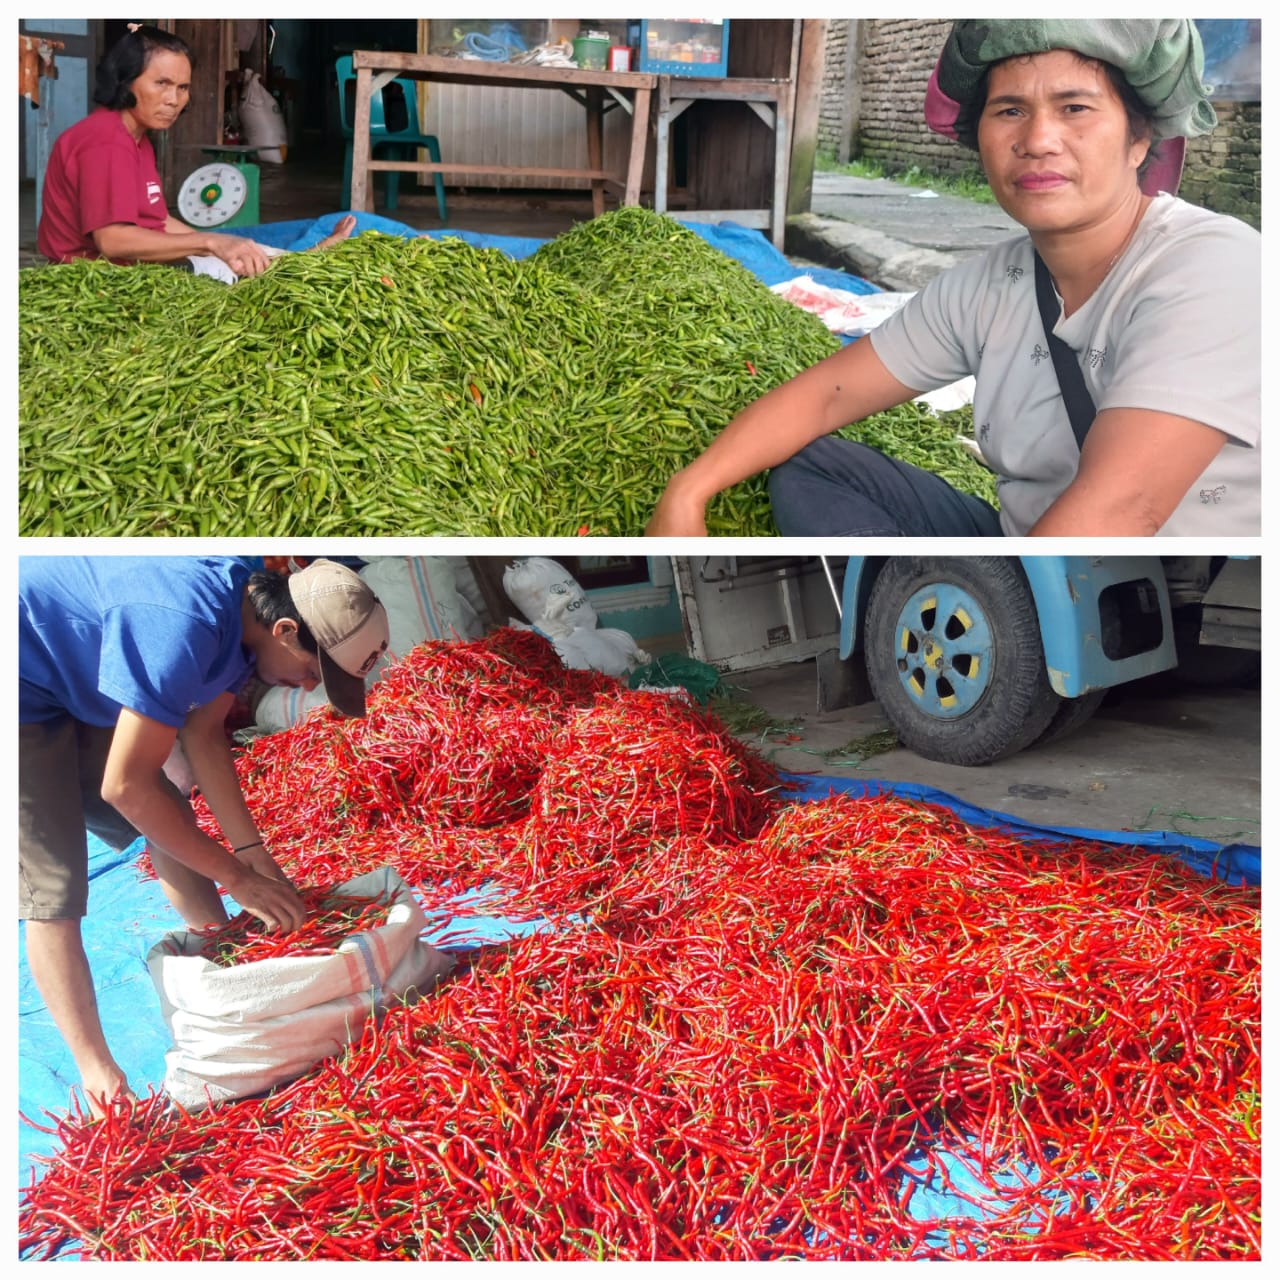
(600,649)
(243,1029)
(549,596)
(262,119)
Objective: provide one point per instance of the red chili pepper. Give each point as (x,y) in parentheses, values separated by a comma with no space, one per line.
(750,1028)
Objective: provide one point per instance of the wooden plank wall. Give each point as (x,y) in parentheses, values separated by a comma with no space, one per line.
(201,123)
(730,149)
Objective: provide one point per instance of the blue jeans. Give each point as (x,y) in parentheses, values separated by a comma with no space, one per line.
(839,488)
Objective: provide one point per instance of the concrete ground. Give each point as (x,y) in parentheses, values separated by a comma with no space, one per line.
(896,236)
(1156,756)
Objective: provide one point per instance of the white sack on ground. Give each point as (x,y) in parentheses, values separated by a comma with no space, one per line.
(240,1030)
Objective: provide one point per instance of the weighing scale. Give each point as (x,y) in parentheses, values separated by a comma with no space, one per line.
(223,193)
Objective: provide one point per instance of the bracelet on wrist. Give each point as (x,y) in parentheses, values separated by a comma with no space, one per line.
(253,844)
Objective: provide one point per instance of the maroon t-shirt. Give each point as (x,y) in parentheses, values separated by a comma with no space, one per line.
(97,175)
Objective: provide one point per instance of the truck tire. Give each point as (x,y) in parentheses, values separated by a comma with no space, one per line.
(1070,715)
(954,658)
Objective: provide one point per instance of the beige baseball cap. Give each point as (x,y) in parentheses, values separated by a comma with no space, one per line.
(349,624)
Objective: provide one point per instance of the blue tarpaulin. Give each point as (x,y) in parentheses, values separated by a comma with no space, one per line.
(128,915)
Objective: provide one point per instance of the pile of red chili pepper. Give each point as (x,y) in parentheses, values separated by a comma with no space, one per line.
(849,1029)
(331,917)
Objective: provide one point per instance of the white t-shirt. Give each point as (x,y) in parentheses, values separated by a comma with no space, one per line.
(1174,327)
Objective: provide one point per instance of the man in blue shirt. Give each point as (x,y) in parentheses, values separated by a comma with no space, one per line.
(120,659)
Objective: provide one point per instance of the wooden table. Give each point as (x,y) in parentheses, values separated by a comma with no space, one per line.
(597,91)
(771,100)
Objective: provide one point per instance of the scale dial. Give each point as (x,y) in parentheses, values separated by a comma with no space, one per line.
(212,195)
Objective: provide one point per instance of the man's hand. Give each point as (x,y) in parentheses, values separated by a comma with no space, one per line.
(258,859)
(245,257)
(268,896)
(102,1098)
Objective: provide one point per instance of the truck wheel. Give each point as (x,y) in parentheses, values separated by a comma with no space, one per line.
(954,657)
(1070,715)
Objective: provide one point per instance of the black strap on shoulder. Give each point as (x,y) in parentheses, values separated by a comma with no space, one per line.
(1071,383)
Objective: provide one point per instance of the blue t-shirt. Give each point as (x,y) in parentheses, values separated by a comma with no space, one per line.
(157,634)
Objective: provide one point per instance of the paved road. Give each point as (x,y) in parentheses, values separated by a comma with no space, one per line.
(891,234)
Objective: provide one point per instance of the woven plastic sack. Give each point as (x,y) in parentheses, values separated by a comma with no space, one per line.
(549,596)
(263,121)
(603,649)
(242,1029)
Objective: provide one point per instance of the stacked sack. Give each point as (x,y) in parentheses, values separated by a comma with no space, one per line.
(557,606)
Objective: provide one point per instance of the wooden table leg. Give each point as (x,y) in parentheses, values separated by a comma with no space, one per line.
(361,185)
(781,168)
(661,135)
(639,144)
(595,145)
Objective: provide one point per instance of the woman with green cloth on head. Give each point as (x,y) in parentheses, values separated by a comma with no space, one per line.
(1080,125)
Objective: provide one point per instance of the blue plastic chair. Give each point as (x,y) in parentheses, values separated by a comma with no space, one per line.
(393,131)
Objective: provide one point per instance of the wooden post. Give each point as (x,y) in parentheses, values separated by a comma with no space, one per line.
(595,145)
(361,178)
(851,117)
(662,134)
(804,143)
(639,144)
(488,572)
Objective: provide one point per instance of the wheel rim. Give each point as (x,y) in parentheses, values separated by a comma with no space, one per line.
(944,650)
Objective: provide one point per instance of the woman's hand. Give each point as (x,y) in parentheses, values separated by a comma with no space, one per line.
(245,257)
(1136,466)
(843,388)
(677,515)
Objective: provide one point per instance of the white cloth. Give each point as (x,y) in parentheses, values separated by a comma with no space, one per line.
(215,267)
(1174,327)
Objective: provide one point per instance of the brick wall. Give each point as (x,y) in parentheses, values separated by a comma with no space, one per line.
(896,58)
(833,108)
(1223,171)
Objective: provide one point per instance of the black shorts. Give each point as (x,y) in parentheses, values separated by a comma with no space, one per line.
(60,769)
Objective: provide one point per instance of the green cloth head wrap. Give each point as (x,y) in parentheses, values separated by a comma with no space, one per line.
(1161,58)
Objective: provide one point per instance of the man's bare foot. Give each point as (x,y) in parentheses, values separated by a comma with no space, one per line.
(346,225)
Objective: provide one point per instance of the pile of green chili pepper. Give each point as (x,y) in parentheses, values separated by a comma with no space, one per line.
(392,386)
(782,1036)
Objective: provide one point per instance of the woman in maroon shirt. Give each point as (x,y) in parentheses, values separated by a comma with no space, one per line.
(102,193)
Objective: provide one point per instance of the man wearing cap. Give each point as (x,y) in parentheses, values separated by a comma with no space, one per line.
(120,659)
(1115,347)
